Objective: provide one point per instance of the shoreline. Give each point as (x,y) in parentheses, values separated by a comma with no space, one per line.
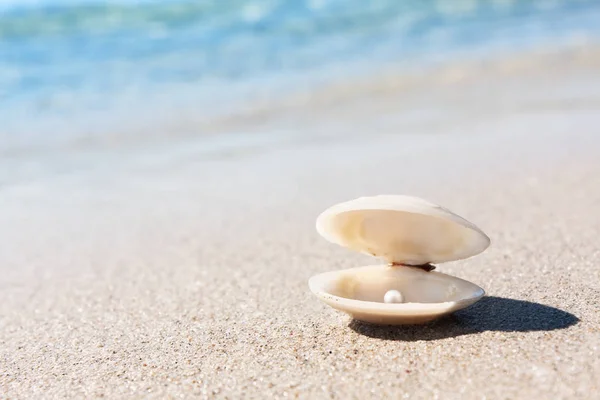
(418,104)
(381,82)
(425,103)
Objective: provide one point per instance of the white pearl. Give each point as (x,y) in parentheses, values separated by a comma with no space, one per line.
(393,296)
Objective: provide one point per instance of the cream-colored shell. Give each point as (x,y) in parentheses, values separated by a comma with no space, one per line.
(402,230)
(359,292)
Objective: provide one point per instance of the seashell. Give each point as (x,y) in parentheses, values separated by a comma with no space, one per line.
(410,234)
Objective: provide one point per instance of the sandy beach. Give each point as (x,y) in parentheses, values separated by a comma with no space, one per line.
(165,270)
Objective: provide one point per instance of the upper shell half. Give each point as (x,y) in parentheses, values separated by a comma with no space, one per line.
(402,230)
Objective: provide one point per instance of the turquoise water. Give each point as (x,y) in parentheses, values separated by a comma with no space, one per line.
(90,65)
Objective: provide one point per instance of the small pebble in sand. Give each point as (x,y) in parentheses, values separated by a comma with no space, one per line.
(393,296)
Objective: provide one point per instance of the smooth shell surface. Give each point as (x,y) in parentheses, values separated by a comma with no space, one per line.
(401,229)
(360,293)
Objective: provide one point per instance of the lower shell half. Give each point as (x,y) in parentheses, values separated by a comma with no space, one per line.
(426,296)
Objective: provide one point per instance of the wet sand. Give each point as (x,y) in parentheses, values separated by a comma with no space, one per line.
(168,272)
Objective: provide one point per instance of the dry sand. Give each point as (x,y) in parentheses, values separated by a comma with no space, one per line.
(165,273)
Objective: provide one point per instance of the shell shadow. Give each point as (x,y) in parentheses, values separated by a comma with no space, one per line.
(491,313)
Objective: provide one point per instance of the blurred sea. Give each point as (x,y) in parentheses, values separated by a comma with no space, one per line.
(82,66)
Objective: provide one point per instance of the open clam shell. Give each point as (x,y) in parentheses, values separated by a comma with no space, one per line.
(408,233)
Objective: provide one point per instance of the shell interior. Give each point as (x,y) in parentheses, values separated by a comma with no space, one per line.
(402,230)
